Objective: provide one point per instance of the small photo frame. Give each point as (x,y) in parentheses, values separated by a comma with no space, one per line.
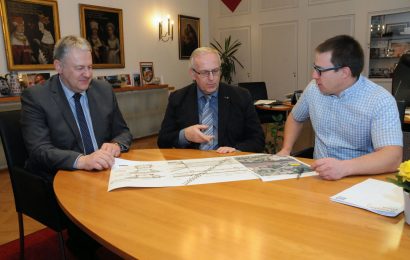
(30,79)
(137,79)
(102,27)
(188,35)
(394,29)
(147,72)
(30,31)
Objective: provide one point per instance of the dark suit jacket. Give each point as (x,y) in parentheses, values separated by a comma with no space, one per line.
(238,123)
(50,132)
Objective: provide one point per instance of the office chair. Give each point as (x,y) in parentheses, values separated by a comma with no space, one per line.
(258,91)
(33,195)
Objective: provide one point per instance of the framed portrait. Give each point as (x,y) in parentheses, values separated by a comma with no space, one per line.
(395,29)
(188,35)
(102,27)
(30,30)
(147,72)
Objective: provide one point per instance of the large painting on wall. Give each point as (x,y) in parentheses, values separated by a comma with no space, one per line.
(30,30)
(102,27)
(189,35)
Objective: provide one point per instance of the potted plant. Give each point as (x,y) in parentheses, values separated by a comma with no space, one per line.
(227,53)
(402,179)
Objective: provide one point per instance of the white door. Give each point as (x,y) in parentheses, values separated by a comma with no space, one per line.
(279,57)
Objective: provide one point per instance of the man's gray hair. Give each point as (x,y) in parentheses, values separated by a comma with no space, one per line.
(200,51)
(65,44)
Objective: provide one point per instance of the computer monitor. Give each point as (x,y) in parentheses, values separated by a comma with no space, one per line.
(401,79)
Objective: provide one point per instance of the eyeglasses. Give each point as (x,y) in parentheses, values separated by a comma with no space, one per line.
(208,73)
(320,70)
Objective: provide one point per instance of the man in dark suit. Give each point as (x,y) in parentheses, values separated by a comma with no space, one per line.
(50,123)
(210,115)
(72,122)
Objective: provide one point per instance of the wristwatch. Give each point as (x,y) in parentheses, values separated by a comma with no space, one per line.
(123,148)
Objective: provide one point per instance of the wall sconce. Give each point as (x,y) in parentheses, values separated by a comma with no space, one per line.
(169,34)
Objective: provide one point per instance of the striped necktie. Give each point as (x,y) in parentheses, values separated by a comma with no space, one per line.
(207,119)
(85,132)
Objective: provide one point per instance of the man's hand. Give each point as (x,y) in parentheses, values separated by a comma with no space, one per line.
(194,134)
(113,148)
(330,168)
(283,152)
(98,160)
(225,149)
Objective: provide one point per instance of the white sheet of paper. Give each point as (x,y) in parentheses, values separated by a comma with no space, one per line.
(177,172)
(264,102)
(380,197)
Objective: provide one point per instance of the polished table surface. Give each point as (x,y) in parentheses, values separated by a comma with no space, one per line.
(233,220)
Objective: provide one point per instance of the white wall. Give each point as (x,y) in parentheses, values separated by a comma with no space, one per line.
(140,35)
(310,17)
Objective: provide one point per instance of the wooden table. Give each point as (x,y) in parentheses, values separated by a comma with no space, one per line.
(287,219)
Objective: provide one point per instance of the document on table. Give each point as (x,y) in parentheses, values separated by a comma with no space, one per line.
(177,172)
(267,167)
(380,197)
(267,102)
(272,167)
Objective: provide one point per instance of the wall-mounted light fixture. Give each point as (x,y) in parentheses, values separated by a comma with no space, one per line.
(169,34)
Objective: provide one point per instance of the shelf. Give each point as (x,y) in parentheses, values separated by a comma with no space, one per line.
(389,38)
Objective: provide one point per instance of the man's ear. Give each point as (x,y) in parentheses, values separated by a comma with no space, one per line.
(347,73)
(192,73)
(58,66)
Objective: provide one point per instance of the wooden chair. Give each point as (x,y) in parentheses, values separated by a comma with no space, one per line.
(33,195)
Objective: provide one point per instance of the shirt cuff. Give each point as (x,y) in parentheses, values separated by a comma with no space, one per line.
(182,141)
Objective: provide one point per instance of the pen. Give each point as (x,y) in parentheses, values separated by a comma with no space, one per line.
(299,171)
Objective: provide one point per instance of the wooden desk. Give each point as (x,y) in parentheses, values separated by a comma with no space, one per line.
(284,107)
(286,219)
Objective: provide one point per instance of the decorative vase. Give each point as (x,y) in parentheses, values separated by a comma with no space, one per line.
(407,206)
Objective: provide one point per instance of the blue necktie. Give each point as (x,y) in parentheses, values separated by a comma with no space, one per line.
(207,119)
(85,132)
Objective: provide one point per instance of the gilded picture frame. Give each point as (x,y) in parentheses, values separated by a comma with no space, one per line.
(30,30)
(189,35)
(103,28)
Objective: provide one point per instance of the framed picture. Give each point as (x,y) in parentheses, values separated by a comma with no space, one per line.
(137,79)
(188,35)
(102,27)
(30,30)
(147,72)
(394,29)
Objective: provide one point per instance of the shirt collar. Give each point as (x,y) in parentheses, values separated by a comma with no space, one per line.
(67,91)
(201,94)
(352,89)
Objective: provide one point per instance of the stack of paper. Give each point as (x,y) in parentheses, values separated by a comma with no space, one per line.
(267,102)
(380,197)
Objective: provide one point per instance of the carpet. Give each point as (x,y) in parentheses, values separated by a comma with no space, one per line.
(44,244)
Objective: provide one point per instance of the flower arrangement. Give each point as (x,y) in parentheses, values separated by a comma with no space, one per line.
(403,176)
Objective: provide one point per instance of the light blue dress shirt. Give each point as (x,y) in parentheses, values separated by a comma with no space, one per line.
(201,103)
(362,118)
(84,103)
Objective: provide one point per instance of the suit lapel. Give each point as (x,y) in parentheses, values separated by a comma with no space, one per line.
(224,103)
(60,99)
(95,115)
(191,106)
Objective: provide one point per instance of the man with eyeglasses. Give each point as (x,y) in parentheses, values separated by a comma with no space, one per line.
(210,115)
(356,122)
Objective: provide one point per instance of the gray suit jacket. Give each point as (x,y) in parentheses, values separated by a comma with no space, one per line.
(50,132)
